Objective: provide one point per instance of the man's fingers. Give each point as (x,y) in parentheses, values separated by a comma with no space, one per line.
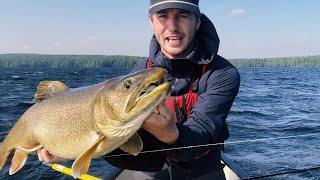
(155,110)
(45,156)
(39,154)
(164,110)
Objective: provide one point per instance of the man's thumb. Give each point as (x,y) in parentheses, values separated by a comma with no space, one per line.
(165,110)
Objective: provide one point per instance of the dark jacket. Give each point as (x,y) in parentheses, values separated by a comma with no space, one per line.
(217,88)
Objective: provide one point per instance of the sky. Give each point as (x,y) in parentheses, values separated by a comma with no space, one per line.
(247,28)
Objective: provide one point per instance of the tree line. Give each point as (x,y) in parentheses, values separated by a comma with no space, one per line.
(301,61)
(86,61)
(92,61)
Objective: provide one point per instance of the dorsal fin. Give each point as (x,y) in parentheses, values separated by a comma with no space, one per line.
(49,89)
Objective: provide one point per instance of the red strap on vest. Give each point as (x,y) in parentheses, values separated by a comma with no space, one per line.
(149,64)
(204,68)
(190,98)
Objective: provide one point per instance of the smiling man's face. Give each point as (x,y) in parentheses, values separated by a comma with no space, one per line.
(175,30)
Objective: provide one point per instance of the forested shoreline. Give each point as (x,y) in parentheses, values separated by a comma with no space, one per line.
(92,61)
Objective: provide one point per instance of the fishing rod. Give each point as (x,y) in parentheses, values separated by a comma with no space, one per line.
(68,171)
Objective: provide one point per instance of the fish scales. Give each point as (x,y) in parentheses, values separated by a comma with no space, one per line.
(86,122)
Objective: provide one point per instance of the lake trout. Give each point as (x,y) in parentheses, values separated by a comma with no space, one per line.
(82,123)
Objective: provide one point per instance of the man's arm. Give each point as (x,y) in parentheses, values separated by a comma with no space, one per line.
(207,119)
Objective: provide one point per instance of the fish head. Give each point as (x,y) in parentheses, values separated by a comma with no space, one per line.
(126,101)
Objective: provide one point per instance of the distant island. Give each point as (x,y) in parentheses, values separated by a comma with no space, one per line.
(93,61)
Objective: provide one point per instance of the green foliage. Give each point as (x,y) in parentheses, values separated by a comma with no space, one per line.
(38,60)
(91,61)
(305,61)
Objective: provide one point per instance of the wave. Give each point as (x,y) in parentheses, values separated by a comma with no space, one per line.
(23,104)
(16,77)
(247,112)
(308,129)
(20,107)
(2,109)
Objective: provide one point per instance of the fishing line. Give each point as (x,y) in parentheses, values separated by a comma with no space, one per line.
(239,142)
(216,144)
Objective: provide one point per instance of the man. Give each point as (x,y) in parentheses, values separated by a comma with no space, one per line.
(204,86)
(185,43)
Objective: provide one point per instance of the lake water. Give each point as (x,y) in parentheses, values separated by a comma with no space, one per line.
(274,122)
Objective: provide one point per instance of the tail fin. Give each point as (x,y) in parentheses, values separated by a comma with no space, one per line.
(3,155)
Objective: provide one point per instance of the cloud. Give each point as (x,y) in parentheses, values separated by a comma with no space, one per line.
(56,44)
(92,37)
(26,47)
(238,12)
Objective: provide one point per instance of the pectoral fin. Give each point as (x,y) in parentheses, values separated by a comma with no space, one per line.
(18,160)
(81,164)
(30,149)
(133,146)
(49,89)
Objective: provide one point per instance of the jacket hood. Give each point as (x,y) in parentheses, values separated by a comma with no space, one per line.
(206,45)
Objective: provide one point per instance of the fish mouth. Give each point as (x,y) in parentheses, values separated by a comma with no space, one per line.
(151,87)
(149,94)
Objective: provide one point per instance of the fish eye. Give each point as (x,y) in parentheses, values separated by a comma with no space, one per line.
(127,84)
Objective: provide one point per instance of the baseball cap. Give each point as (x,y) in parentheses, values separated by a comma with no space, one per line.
(188,5)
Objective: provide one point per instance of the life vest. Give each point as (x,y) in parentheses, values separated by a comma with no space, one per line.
(182,105)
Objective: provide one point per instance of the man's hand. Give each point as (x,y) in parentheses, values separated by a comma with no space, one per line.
(45,156)
(162,125)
